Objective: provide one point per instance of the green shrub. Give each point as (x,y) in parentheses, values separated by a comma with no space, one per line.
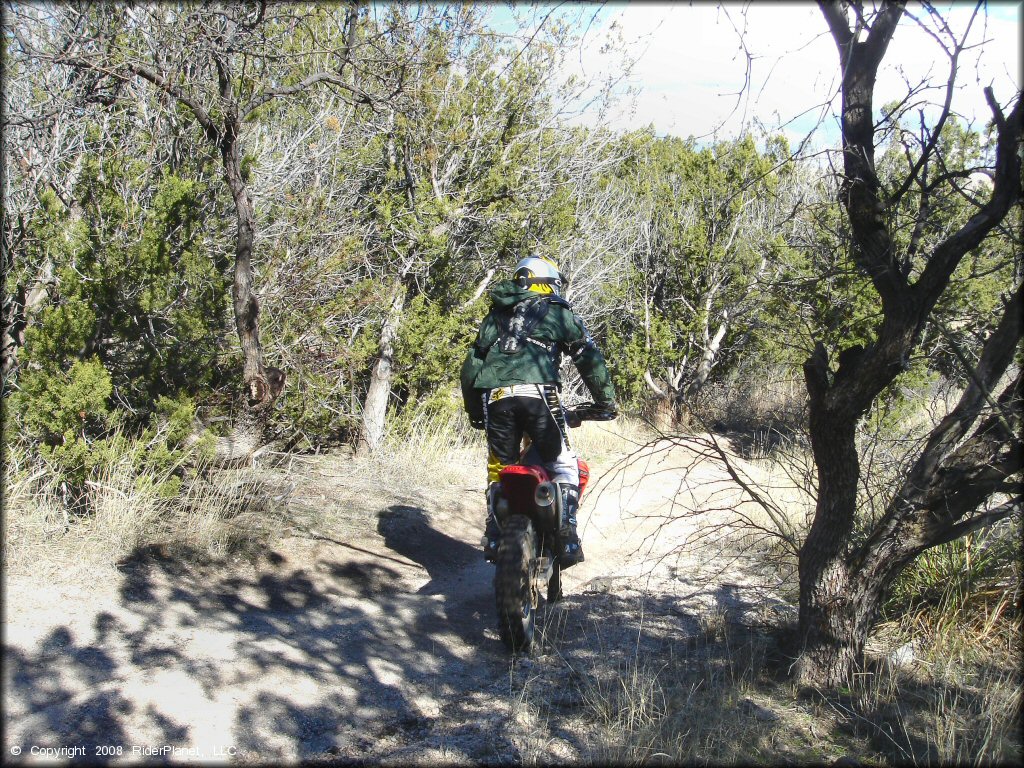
(59,407)
(69,420)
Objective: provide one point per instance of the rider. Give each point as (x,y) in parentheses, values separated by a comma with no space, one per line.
(511,385)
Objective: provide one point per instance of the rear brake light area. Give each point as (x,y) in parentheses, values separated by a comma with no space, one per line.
(523,470)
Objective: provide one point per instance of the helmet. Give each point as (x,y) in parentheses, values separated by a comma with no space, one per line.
(539,274)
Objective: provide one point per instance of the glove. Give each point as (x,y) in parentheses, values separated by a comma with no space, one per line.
(477,423)
(591,412)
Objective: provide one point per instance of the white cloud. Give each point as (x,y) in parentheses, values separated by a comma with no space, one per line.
(691,68)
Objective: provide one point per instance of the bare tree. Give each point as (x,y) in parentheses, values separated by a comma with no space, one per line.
(968,473)
(42,154)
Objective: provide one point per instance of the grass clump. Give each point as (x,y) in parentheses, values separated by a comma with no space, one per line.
(723,699)
(711,701)
(972,580)
(125,504)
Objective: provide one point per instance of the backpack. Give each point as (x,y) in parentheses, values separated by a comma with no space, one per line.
(517,325)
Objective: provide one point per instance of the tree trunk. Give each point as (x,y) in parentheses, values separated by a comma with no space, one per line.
(943,496)
(12,313)
(834,618)
(830,621)
(375,408)
(246,307)
(19,306)
(707,359)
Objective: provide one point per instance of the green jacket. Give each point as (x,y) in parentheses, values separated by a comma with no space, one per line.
(559,331)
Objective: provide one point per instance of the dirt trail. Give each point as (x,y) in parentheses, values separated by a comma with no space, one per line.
(367,635)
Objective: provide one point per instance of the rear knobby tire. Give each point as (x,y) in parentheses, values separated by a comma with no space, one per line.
(513,590)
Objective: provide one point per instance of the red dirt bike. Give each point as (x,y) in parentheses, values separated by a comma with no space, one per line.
(529,512)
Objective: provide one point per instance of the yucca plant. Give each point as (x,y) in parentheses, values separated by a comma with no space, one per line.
(962,576)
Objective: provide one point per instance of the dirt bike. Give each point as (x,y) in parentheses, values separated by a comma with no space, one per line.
(529,512)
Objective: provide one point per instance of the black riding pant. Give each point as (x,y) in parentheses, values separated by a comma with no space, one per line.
(511,416)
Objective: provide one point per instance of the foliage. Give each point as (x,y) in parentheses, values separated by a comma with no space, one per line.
(135,315)
(714,230)
(430,345)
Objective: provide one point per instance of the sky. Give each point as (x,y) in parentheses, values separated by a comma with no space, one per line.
(690,68)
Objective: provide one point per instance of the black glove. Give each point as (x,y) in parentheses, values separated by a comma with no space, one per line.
(477,423)
(591,412)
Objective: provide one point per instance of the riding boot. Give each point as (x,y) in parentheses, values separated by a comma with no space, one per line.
(492,531)
(572,550)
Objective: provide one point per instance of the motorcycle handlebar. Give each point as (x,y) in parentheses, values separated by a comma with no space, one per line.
(588,412)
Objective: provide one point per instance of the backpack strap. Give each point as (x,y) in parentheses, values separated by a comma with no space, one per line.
(517,325)
(541,308)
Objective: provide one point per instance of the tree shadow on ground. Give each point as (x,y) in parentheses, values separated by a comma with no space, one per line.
(62,691)
(353,659)
(331,660)
(458,574)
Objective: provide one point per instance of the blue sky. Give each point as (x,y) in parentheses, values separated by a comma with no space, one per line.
(689,66)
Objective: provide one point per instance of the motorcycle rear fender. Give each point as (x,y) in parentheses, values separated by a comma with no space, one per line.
(518,486)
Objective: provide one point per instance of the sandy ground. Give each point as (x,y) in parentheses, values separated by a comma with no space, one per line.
(367,634)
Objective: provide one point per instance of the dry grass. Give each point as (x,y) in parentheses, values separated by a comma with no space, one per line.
(721,698)
(211,515)
(596,441)
(704,700)
(764,406)
(703,704)
(435,446)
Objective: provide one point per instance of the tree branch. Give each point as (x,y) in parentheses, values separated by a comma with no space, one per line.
(996,356)
(881,33)
(201,115)
(1005,192)
(840,28)
(649,380)
(933,138)
(977,522)
(480,288)
(332,78)
(873,247)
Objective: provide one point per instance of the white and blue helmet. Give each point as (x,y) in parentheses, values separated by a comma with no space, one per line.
(540,274)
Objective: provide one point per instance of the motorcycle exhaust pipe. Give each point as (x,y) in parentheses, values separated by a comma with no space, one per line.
(545,495)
